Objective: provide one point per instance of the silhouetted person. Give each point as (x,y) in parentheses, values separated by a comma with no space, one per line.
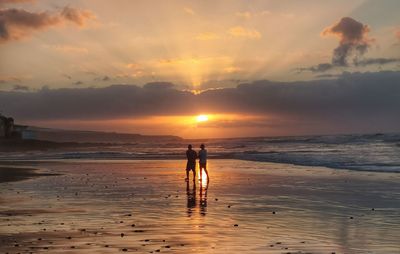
(191,156)
(203,162)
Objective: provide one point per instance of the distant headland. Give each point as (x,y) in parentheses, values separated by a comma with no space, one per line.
(23,136)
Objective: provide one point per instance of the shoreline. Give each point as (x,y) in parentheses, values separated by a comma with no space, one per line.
(148,158)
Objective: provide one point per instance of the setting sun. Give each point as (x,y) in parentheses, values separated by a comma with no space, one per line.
(202,118)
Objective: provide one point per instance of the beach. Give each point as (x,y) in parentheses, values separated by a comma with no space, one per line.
(145,206)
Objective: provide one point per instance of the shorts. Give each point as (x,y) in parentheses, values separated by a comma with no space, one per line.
(191,166)
(203,165)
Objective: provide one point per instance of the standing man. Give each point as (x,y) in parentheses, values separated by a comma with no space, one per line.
(191,156)
(203,162)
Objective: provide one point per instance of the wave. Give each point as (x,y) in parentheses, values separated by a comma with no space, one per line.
(367,152)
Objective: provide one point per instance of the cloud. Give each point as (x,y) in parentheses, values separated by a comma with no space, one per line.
(244,14)
(79,17)
(189,11)
(353,44)
(318,68)
(20,88)
(77,83)
(376,61)
(397,35)
(326,76)
(352,102)
(353,40)
(103,78)
(207,36)
(16,24)
(8,79)
(5,2)
(67,76)
(69,49)
(239,31)
(232,69)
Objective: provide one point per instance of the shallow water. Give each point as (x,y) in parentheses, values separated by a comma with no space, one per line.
(247,207)
(360,152)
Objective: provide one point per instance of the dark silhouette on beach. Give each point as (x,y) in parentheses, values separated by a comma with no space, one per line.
(203,162)
(191,156)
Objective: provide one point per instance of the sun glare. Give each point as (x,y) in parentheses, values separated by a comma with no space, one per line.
(202,118)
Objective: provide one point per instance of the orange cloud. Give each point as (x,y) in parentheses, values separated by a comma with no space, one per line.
(239,31)
(188,10)
(207,36)
(232,69)
(16,24)
(245,14)
(79,17)
(69,49)
(397,34)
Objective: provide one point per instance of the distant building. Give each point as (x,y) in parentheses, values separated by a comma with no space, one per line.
(6,127)
(3,123)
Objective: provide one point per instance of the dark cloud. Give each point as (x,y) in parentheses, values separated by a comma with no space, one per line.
(362,99)
(103,78)
(158,85)
(78,83)
(327,75)
(353,40)
(18,23)
(67,76)
(353,44)
(318,68)
(376,61)
(20,88)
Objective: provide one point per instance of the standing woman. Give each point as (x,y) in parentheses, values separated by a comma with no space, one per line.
(203,162)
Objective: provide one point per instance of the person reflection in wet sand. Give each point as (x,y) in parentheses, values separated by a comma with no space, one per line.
(203,199)
(191,197)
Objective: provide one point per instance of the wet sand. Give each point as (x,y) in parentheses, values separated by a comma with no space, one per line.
(11,174)
(248,207)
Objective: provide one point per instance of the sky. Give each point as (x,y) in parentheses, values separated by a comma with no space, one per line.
(252,68)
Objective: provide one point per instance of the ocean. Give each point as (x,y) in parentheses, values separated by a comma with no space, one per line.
(368,152)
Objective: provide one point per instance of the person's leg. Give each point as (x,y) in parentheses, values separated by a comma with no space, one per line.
(208,178)
(194,175)
(187,175)
(201,172)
